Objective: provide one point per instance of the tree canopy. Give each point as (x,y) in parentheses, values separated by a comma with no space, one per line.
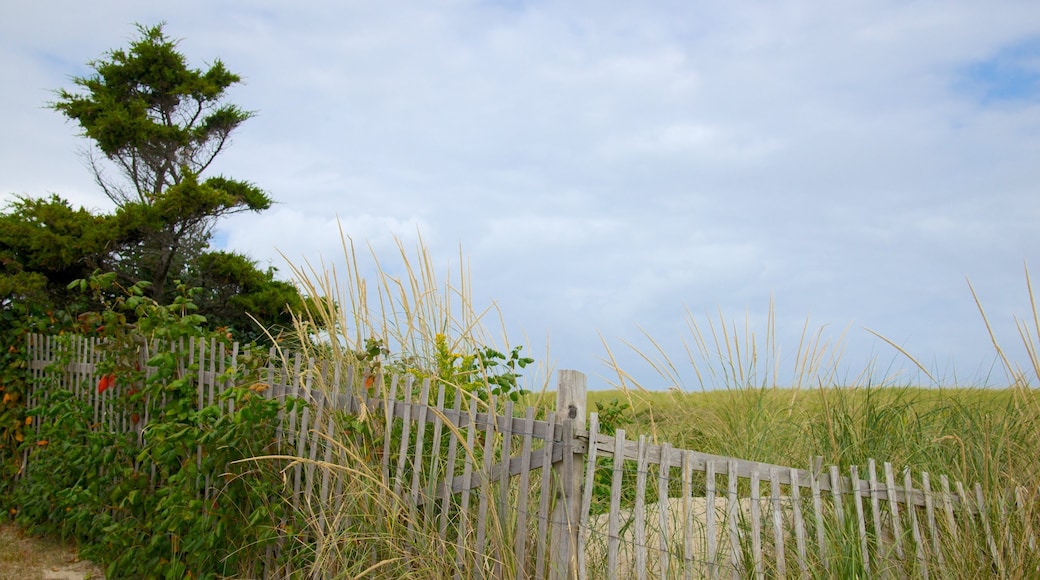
(157,120)
(160,124)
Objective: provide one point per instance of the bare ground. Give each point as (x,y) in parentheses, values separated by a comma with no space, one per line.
(33,558)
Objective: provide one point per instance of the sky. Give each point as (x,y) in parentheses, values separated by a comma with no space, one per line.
(610,169)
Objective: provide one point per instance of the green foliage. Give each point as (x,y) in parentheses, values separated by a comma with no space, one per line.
(157,119)
(17,320)
(484,373)
(161,124)
(612,416)
(45,244)
(236,293)
(146,507)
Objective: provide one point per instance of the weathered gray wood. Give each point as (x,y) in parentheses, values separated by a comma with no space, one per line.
(506,427)
(326,473)
(467,469)
(314,437)
(893,504)
(799,530)
(389,403)
(756,524)
(488,456)
(571,411)
(520,551)
(639,511)
(614,519)
(420,442)
(229,381)
(861,524)
(301,443)
(915,529)
(605,446)
(933,531)
(778,524)
(711,537)
(406,435)
(835,480)
(449,467)
(687,496)
(543,500)
(732,518)
(875,508)
(821,540)
(437,469)
(663,472)
(586,494)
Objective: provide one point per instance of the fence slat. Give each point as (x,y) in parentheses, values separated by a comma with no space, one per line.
(893,504)
(614,521)
(778,523)
(711,537)
(418,456)
(449,466)
(406,435)
(639,514)
(799,527)
(417,475)
(732,518)
(388,409)
(524,492)
(875,509)
(922,557)
(861,524)
(836,491)
(436,468)
(467,471)
(933,530)
(587,490)
(485,486)
(756,524)
(821,543)
(543,500)
(663,511)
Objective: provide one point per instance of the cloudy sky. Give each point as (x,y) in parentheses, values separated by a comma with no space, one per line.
(608,166)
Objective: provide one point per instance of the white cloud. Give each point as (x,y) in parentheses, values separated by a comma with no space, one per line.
(608,164)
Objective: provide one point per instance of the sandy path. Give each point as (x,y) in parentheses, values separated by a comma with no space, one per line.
(31,558)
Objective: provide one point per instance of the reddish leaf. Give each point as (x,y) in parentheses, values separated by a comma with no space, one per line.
(106,382)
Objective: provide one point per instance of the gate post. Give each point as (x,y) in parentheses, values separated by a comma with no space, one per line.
(566,474)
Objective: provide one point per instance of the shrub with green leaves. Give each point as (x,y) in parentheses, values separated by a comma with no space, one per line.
(173,497)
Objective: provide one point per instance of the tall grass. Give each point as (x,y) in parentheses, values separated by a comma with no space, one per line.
(382,320)
(741,409)
(747,402)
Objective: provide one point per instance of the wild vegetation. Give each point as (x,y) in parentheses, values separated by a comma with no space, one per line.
(139,505)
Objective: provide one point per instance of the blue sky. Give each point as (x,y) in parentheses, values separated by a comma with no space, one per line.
(607,167)
(1010,75)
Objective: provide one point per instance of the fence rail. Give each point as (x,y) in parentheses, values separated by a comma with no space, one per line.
(570,501)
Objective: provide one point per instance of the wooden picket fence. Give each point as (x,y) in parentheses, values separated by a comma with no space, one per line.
(542,493)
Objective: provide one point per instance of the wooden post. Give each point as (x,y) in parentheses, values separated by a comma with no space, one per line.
(566,476)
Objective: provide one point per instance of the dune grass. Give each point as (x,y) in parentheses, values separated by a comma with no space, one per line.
(738,408)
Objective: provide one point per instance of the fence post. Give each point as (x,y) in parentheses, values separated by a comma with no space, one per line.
(566,475)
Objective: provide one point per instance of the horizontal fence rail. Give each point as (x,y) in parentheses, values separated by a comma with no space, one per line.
(542,493)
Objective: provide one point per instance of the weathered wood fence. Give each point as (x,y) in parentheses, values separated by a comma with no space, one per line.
(542,493)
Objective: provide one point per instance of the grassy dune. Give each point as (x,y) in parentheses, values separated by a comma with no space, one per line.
(989,436)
